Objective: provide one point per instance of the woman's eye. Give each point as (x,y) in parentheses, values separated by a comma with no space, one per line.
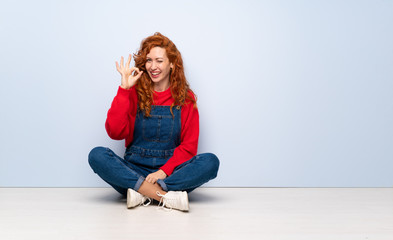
(148,60)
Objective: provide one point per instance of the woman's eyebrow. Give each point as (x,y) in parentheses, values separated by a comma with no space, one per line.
(156,57)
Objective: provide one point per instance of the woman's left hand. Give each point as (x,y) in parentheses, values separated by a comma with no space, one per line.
(153,177)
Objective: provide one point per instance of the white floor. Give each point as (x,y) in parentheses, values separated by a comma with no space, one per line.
(215,213)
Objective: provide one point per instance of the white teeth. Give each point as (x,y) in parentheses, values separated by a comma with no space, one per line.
(155,74)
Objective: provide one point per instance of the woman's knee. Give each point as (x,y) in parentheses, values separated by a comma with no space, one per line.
(96,156)
(212,162)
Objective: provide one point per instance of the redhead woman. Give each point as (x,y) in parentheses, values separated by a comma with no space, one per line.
(155,111)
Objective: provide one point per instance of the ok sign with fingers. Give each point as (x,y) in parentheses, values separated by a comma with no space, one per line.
(127,77)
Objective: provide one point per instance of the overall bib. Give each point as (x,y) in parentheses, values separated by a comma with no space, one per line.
(154,141)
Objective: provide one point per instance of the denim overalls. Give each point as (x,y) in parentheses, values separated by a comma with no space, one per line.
(154,141)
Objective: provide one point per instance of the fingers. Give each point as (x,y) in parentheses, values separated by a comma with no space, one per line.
(139,74)
(151,179)
(120,67)
(126,71)
(135,69)
(122,61)
(117,66)
(136,72)
(128,61)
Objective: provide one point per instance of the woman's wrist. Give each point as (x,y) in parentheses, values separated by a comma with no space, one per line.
(163,173)
(126,88)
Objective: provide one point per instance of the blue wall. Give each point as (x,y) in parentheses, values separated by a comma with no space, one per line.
(291,93)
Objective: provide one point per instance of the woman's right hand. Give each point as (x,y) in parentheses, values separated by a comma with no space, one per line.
(127,78)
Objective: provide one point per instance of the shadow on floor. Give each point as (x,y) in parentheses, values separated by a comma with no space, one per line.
(199,196)
(194,196)
(111,196)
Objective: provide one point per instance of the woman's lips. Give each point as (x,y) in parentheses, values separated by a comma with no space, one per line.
(154,75)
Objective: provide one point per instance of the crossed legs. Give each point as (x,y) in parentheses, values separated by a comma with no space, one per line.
(122,175)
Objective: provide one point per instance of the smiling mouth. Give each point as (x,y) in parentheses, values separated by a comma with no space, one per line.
(154,75)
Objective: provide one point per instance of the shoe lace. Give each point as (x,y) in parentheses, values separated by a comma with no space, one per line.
(164,201)
(144,202)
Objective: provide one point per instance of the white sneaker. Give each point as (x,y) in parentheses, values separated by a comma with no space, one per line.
(174,199)
(134,199)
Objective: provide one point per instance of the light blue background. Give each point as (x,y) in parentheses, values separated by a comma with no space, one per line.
(291,93)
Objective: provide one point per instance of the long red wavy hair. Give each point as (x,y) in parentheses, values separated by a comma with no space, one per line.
(180,89)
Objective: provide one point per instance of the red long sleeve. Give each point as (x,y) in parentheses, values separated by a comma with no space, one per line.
(121,119)
(121,115)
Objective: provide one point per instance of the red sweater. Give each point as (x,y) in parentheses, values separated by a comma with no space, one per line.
(121,119)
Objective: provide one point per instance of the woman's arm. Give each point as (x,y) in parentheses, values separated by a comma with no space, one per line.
(189,138)
(121,116)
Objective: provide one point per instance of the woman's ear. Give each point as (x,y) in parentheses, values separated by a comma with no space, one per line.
(171,65)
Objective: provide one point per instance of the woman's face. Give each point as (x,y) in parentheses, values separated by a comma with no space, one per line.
(158,68)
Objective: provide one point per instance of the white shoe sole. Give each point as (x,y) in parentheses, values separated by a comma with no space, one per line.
(129,197)
(186,203)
